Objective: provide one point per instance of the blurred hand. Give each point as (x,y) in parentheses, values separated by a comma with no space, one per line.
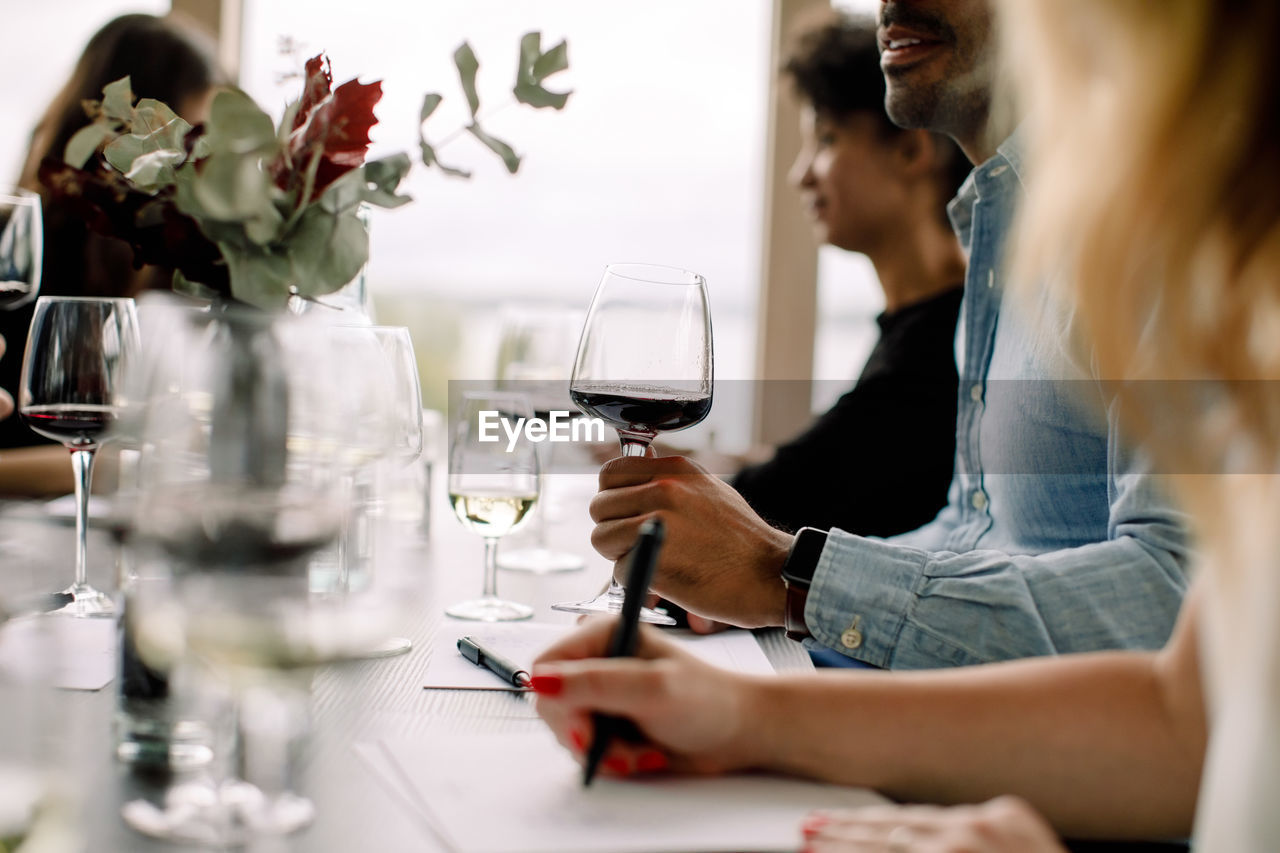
(692,715)
(1002,825)
(6,402)
(720,561)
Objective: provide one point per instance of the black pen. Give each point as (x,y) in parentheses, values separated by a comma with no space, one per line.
(644,558)
(495,663)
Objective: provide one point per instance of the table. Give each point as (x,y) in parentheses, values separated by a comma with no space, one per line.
(351,702)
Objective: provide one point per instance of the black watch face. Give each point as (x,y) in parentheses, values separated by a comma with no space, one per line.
(803,560)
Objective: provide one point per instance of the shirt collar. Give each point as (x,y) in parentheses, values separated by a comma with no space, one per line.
(1000,174)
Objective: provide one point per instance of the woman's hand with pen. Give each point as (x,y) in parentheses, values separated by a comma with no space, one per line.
(693,716)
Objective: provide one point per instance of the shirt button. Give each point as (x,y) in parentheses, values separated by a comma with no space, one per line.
(998,171)
(851,639)
(979,500)
(991,278)
(975,393)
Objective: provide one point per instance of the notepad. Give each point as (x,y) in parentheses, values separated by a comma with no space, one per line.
(521,642)
(522,793)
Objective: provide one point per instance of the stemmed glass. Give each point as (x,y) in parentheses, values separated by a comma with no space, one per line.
(21,247)
(76,352)
(238,486)
(534,358)
(493,487)
(644,366)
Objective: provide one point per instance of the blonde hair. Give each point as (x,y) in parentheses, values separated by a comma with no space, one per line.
(1153,211)
(1153,203)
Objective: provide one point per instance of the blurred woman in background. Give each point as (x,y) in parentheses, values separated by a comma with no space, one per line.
(1153,209)
(166,59)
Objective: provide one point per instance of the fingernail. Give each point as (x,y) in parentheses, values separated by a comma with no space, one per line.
(652,761)
(578,739)
(616,765)
(813,824)
(547,685)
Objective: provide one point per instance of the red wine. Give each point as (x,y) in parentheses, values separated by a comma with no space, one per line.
(642,409)
(73,424)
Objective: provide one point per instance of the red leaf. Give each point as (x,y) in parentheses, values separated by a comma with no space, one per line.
(319,80)
(338,128)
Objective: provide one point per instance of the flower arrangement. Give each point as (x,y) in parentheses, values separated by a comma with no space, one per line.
(245,209)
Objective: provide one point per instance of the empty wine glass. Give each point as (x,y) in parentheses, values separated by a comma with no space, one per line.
(644,366)
(76,352)
(21,246)
(535,356)
(237,488)
(493,487)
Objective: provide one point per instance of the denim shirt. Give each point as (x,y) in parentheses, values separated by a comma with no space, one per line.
(1054,539)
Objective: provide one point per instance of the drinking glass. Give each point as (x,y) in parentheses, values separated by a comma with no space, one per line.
(21,247)
(534,358)
(76,351)
(238,486)
(493,487)
(644,365)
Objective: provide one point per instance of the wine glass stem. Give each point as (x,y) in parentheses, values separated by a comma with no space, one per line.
(82,467)
(490,567)
(632,445)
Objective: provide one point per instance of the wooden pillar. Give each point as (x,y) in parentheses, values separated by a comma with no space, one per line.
(222,18)
(789,263)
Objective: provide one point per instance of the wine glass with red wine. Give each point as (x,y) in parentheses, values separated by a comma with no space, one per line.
(644,366)
(21,247)
(76,351)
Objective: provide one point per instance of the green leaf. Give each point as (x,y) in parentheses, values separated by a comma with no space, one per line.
(465,58)
(373,183)
(155,169)
(502,149)
(232,188)
(85,141)
(149,115)
(117,100)
(238,126)
(429,158)
(534,67)
(124,150)
(327,250)
(258,278)
(429,104)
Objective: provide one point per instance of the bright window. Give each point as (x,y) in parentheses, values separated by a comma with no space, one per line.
(657,158)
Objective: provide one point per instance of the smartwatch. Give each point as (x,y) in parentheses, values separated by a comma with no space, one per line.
(797,575)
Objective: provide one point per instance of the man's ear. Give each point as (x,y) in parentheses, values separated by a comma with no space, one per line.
(915,152)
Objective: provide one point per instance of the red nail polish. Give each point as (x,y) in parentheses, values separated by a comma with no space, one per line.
(813,824)
(578,740)
(547,685)
(616,765)
(652,761)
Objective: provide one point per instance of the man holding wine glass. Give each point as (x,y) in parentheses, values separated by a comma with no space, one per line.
(1055,537)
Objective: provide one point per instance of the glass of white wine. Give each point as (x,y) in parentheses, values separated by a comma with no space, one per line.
(493,487)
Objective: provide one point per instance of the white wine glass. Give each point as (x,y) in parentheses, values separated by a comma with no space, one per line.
(644,366)
(21,247)
(76,353)
(493,487)
(535,356)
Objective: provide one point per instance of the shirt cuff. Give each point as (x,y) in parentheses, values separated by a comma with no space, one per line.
(862,593)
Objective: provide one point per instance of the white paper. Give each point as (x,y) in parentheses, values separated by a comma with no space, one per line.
(522,793)
(522,642)
(70,653)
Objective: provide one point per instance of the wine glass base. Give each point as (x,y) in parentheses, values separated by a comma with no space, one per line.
(489,610)
(387,648)
(604,603)
(229,815)
(539,561)
(87,602)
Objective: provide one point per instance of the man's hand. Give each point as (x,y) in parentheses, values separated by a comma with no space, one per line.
(1002,825)
(721,560)
(695,718)
(6,402)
